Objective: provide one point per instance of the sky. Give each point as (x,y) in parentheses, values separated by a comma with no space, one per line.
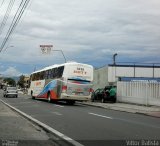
(87,31)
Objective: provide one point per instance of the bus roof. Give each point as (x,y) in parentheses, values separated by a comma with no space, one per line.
(58,65)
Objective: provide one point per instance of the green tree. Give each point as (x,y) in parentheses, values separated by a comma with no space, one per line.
(10,81)
(21,81)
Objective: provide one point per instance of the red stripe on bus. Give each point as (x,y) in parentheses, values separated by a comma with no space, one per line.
(53,95)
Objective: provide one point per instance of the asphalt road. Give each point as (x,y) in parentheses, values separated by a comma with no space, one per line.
(89,125)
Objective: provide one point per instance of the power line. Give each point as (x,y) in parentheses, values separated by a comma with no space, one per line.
(2,3)
(22,18)
(15,21)
(13,24)
(5,18)
(15,15)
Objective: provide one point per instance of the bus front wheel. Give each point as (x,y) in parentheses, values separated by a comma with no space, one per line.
(32,95)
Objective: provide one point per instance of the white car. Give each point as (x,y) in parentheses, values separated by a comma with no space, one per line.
(10,92)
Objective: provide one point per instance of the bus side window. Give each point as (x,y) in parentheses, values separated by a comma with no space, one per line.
(41,75)
(38,76)
(52,74)
(49,74)
(55,72)
(46,74)
(33,77)
(60,71)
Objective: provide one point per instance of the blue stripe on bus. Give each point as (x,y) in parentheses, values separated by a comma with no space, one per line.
(50,86)
(79,80)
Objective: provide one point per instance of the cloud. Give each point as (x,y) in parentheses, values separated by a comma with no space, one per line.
(87,31)
(11,71)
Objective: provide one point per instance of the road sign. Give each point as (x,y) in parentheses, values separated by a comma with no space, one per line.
(46,49)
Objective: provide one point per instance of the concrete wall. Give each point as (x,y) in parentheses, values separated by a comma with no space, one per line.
(110,74)
(132,71)
(100,79)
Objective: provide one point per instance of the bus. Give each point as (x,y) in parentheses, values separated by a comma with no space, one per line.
(68,82)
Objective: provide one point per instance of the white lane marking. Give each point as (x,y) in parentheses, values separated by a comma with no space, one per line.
(137,123)
(57,113)
(101,116)
(58,105)
(124,120)
(21,102)
(61,135)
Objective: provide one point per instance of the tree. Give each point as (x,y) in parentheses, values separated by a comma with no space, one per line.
(10,81)
(21,81)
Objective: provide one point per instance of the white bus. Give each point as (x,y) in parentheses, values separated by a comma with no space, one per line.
(68,82)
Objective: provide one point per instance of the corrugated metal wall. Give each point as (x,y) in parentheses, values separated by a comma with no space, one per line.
(145,93)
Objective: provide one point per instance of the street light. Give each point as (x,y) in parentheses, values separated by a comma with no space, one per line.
(62,54)
(114,58)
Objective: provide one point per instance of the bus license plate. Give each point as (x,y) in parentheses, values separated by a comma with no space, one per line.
(78,93)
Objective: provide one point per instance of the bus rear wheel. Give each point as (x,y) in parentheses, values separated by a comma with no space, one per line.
(49,97)
(70,102)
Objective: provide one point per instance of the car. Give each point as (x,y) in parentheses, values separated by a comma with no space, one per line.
(97,94)
(10,92)
(104,94)
(109,94)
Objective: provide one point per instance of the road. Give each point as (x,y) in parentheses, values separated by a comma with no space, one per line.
(86,124)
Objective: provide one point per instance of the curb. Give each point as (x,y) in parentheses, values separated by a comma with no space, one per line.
(110,108)
(68,141)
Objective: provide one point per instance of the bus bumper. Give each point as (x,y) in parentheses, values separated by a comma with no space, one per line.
(74,97)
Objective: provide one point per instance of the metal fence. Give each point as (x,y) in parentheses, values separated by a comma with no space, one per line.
(145,93)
